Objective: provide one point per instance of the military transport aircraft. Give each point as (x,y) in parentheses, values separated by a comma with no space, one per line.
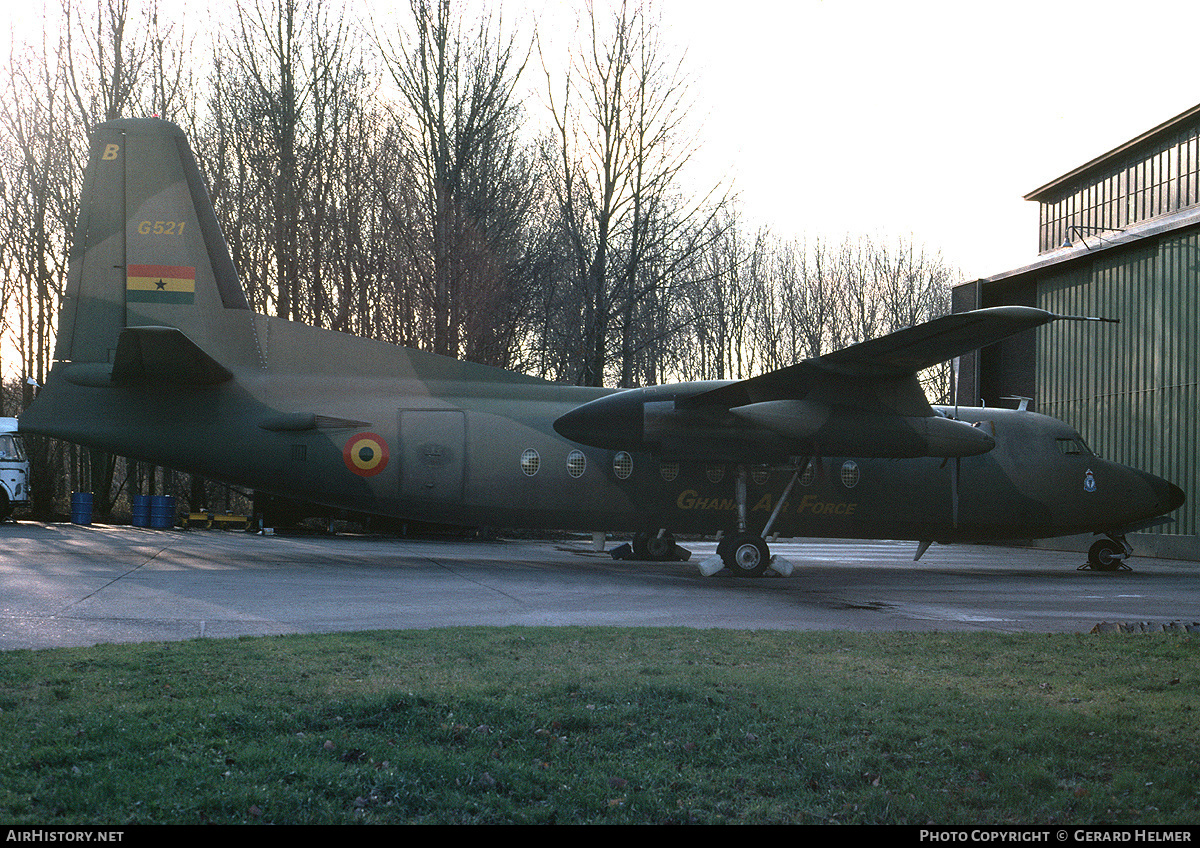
(160,358)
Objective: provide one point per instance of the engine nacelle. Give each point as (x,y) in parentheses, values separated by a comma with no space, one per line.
(844,431)
(651,419)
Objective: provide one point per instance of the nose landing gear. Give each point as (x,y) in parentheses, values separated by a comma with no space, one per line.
(1109,554)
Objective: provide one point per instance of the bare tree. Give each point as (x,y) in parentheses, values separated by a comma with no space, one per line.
(121,61)
(616,155)
(41,169)
(266,50)
(914,286)
(101,66)
(291,129)
(459,131)
(432,218)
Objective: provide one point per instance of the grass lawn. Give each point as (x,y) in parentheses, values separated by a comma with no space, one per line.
(579,725)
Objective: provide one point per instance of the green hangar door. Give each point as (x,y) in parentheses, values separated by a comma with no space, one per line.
(432,452)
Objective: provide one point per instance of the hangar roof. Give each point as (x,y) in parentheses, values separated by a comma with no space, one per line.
(1148,138)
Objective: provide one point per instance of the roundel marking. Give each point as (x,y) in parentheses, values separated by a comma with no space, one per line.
(366,454)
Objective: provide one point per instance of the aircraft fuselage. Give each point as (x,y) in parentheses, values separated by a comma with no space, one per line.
(474,453)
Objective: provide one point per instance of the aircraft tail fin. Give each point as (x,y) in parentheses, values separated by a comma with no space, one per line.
(148,250)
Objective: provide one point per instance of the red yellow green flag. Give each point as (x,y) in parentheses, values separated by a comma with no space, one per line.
(160,284)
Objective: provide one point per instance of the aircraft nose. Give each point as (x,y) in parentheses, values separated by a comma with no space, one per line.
(1173,498)
(1165,495)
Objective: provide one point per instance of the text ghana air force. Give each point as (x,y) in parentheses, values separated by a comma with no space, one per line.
(160,358)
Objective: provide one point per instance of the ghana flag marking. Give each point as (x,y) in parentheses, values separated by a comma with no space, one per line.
(160,284)
(366,454)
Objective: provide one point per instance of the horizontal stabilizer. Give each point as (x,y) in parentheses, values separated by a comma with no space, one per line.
(164,355)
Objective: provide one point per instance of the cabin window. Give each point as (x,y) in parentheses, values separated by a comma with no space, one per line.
(668,470)
(576,463)
(530,462)
(760,475)
(810,474)
(850,474)
(715,473)
(623,465)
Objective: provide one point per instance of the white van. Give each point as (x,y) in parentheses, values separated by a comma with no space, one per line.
(14,469)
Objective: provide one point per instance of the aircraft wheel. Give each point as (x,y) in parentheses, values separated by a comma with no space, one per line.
(652,547)
(1106,555)
(660,548)
(746,556)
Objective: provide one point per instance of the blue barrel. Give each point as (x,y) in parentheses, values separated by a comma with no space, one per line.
(81,508)
(162,511)
(141,510)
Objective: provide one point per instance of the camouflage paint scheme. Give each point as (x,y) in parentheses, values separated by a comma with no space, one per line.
(160,358)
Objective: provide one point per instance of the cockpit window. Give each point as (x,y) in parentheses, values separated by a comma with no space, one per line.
(1073,447)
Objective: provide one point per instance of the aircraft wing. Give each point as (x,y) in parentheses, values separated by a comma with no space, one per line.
(906,351)
(865,400)
(925,345)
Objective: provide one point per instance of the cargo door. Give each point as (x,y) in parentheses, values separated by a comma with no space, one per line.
(433,447)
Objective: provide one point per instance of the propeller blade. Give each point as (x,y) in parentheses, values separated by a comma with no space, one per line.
(954,469)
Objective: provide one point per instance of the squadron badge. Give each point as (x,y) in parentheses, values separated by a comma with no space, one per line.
(1089,481)
(366,454)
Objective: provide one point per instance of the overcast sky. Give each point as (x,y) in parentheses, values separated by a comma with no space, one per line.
(927,119)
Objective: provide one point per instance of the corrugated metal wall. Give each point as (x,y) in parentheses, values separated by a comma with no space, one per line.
(1130,388)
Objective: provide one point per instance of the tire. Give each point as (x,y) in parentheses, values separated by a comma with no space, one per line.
(1106,555)
(660,548)
(651,547)
(747,556)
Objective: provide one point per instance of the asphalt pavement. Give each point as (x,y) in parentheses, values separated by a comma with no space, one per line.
(66,585)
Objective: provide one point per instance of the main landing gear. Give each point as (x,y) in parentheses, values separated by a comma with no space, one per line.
(1109,554)
(659,547)
(656,547)
(652,547)
(745,553)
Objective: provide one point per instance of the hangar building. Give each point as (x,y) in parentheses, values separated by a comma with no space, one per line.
(1119,237)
